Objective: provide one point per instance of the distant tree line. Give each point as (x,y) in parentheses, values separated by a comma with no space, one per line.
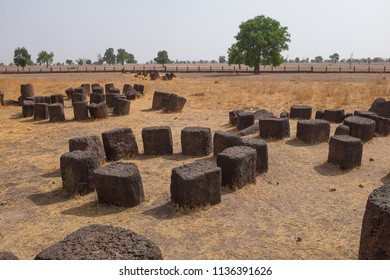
(335,58)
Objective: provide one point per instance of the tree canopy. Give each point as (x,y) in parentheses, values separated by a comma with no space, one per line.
(124,57)
(259,41)
(109,56)
(162,57)
(22,57)
(334,57)
(45,58)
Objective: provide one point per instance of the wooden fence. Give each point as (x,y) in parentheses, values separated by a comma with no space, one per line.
(204,68)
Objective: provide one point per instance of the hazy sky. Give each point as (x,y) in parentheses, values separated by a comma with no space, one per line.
(189,30)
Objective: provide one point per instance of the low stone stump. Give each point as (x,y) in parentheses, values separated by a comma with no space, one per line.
(91,144)
(284,115)
(196,184)
(110,99)
(238,165)
(319,115)
(121,107)
(101,242)
(160,100)
(98,90)
(69,93)
(157,140)
(175,103)
(80,110)
(78,97)
(41,111)
(97,98)
(76,171)
(1,98)
(313,131)
(27,109)
(383,109)
(119,143)
(233,116)
(261,150)
(56,112)
(274,128)
(361,128)
(127,88)
(114,90)
(244,120)
(334,115)
(57,98)
(253,129)
(26,90)
(196,141)
(382,124)
(132,95)
(119,184)
(374,105)
(342,130)
(80,90)
(7,256)
(87,88)
(223,140)
(375,233)
(139,88)
(302,112)
(263,113)
(94,85)
(345,151)
(39,99)
(108,86)
(98,111)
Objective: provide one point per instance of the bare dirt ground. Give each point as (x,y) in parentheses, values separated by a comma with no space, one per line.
(290,213)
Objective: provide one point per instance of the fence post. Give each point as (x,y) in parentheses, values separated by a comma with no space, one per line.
(311,68)
(326,68)
(198,68)
(299,68)
(247,69)
(384,69)
(284,68)
(187,68)
(369,69)
(340,69)
(6,69)
(272,69)
(222,68)
(154,68)
(354,69)
(210,69)
(177,69)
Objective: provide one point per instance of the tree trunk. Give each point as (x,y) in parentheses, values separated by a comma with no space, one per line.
(257,66)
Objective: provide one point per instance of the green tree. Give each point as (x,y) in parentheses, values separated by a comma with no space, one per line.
(88,62)
(162,57)
(318,59)
(235,56)
(80,61)
(22,57)
(334,57)
(45,58)
(109,56)
(69,62)
(222,59)
(123,56)
(260,41)
(297,60)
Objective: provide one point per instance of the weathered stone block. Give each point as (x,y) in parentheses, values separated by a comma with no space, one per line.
(119,143)
(76,171)
(97,98)
(361,128)
(319,115)
(302,112)
(56,112)
(41,111)
(160,100)
(196,141)
(98,111)
(345,151)
(274,128)
(313,131)
(196,184)
(334,115)
(261,150)
(342,130)
(223,140)
(121,107)
(69,93)
(80,110)
(27,109)
(157,140)
(91,144)
(7,256)
(244,120)
(57,98)
(78,97)
(382,124)
(110,99)
(238,165)
(233,116)
(120,184)
(175,103)
(375,234)
(101,242)
(87,88)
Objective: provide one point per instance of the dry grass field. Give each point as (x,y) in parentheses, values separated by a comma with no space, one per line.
(302,208)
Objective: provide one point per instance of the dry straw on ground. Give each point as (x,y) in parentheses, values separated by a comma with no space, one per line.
(290,213)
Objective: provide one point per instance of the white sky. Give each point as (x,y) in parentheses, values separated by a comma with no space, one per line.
(189,29)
